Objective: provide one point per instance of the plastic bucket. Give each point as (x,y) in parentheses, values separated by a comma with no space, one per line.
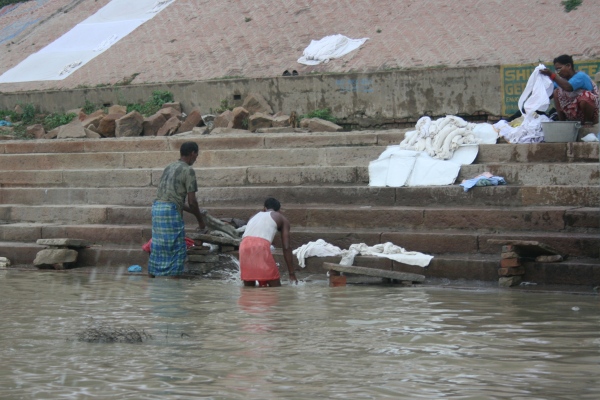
(560,131)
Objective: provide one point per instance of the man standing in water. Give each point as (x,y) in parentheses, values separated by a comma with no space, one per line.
(256,261)
(178,182)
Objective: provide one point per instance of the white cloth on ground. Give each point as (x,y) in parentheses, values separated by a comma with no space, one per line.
(329,47)
(84,41)
(319,248)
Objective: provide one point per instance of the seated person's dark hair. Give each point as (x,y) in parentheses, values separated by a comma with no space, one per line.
(272,204)
(188,148)
(564,60)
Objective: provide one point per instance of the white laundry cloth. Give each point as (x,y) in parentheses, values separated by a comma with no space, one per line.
(536,95)
(320,248)
(530,130)
(440,138)
(329,47)
(393,252)
(85,41)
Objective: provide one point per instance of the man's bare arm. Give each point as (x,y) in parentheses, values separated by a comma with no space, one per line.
(192,208)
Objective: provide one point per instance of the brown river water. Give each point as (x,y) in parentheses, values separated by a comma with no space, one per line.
(214,339)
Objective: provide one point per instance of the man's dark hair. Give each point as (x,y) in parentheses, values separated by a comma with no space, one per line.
(272,204)
(188,148)
(564,60)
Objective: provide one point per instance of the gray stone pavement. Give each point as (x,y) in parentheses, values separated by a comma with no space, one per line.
(207,39)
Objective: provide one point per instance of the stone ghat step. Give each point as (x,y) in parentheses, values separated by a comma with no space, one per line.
(283,157)
(530,174)
(206,177)
(322,156)
(244,141)
(448,241)
(500,196)
(536,152)
(479,267)
(495,196)
(489,219)
(537,174)
(426,241)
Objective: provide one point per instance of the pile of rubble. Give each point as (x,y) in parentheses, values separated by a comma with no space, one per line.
(255,115)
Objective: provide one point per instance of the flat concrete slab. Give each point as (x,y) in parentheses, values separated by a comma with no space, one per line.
(527,248)
(380,273)
(63,242)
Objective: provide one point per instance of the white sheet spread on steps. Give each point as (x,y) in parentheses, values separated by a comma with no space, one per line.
(85,41)
(432,154)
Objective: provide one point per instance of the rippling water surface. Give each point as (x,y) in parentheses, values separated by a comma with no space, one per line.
(218,340)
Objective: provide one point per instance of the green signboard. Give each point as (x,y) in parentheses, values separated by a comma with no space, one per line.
(513,79)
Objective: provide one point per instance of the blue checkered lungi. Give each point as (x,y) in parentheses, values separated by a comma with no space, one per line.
(168,250)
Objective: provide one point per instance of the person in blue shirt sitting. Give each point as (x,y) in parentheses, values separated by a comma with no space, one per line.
(575,94)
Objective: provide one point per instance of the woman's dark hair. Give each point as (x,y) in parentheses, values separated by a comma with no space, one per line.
(564,60)
(188,148)
(272,204)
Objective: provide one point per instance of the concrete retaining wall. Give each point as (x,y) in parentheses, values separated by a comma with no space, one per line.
(379,96)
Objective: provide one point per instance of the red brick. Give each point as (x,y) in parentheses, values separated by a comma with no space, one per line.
(511,271)
(510,262)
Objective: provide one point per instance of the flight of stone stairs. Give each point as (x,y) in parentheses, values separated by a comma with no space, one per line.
(101,190)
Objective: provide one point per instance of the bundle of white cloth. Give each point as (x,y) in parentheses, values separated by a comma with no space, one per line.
(440,138)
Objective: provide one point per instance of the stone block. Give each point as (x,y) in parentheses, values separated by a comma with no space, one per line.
(170,127)
(509,254)
(239,118)
(259,120)
(152,124)
(255,103)
(226,249)
(129,125)
(117,109)
(509,281)
(198,250)
(549,259)
(55,256)
(191,121)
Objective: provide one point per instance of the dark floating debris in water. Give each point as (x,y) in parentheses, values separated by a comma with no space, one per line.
(106,334)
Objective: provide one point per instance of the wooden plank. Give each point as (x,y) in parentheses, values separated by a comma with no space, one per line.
(527,248)
(380,273)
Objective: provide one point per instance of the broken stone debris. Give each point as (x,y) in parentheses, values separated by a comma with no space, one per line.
(255,115)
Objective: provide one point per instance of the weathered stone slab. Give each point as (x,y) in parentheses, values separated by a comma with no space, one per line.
(526,248)
(380,273)
(63,242)
(214,239)
(55,256)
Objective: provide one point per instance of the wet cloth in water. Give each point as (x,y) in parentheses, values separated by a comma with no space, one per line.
(256,261)
(168,249)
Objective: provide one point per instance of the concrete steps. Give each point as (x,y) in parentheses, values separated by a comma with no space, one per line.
(102,190)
